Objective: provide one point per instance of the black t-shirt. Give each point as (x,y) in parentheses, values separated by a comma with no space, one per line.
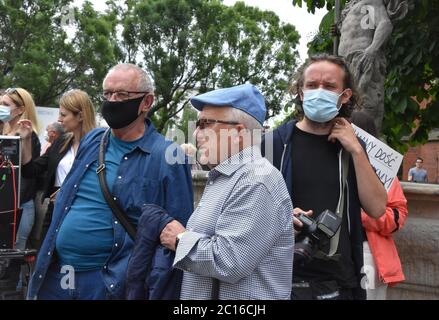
(315,186)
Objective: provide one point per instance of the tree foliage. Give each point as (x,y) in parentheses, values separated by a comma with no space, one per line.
(187,122)
(193,46)
(311,5)
(37,53)
(189,47)
(412,73)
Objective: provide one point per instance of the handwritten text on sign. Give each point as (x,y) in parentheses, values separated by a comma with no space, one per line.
(383,159)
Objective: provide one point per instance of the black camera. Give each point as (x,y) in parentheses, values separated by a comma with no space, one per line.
(9,149)
(315,235)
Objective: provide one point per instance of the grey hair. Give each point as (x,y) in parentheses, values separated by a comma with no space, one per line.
(244,118)
(248,121)
(145,82)
(56,126)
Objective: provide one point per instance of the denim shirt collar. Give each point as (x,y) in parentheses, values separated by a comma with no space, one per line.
(145,143)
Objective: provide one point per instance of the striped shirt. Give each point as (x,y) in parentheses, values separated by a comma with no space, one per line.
(241,233)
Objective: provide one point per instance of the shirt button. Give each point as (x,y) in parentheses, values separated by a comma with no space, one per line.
(105,267)
(67,208)
(48,253)
(115,244)
(86,165)
(115,198)
(40,276)
(56,230)
(115,222)
(111,286)
(75,186)
(126,158)
(119,177)
(211,182)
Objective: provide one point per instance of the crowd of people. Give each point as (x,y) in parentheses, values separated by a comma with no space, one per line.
(121,215)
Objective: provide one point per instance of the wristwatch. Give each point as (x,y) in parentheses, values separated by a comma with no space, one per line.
(178,237)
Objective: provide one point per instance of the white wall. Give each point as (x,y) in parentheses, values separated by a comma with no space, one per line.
(46,116)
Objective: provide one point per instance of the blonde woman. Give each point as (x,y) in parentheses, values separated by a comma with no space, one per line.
(77,116)
(21,106)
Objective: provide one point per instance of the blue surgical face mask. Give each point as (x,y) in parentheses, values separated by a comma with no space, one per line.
(320,105)
(5,113)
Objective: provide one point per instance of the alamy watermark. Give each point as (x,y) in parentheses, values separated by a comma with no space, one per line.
(67,16)
(368,21)
(209,141)
(68,281)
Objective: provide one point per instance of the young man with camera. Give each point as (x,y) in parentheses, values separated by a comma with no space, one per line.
(326,168)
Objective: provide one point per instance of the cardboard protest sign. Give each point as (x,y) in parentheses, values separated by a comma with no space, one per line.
(383,159)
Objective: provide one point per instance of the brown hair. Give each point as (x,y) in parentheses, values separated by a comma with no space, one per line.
(348,82)
(78,101)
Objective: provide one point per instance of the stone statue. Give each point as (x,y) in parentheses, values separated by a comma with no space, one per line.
(366,25)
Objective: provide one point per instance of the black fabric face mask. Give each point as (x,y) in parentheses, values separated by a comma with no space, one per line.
(120,114)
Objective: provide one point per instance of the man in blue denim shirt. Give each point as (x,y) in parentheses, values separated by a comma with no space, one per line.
(86,250)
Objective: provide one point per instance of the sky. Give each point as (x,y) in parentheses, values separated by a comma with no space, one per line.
(306,24)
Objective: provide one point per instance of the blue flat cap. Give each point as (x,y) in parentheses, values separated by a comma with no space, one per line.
(245,97)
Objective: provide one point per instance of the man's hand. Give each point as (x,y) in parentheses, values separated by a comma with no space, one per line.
(343,131)
(297,224)
(169,234)
(373,196)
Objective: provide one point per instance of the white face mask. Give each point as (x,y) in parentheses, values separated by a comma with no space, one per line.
(5,113)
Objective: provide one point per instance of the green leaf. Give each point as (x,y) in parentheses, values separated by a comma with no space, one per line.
(409,57)
(401,105)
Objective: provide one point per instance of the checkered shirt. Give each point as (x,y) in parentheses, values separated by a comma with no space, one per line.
(241,233)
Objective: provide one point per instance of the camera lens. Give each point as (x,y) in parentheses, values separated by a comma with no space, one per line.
(303,251)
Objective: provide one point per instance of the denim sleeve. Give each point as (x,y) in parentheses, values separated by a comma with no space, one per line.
(179,193)
(140,262)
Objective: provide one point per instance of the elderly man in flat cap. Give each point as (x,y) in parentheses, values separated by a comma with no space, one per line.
(239,241)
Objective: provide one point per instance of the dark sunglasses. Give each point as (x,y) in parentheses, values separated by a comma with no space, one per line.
(203,123)
(15,91)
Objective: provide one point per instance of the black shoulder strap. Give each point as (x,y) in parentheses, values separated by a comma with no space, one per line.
(100,171)
(344,157)
(343,195)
